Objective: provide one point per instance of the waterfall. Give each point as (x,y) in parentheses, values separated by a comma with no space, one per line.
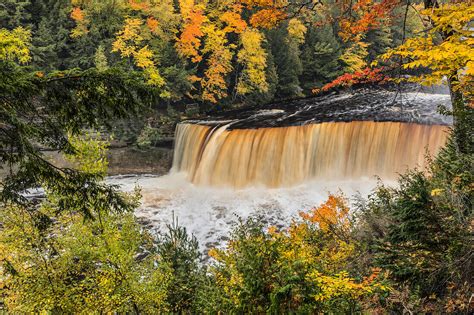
(285,156)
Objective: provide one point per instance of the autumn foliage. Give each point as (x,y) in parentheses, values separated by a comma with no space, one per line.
(452,57)
(366,76)
(303,267)
(369,15)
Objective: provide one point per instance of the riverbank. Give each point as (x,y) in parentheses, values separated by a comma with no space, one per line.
(123,160)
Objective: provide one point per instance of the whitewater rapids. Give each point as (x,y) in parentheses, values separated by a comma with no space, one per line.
(210,213)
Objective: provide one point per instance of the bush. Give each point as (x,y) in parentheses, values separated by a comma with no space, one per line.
(62,262)
(305,268)
(425,237)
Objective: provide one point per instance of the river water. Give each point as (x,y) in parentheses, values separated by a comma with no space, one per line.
(209,212)
(274,162)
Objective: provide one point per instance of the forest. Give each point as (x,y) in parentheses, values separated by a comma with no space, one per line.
(79,76)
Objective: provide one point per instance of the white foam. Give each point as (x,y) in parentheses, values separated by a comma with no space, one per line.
(209,213)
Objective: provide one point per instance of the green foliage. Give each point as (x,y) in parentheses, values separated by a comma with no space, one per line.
(158,129)
(71,266)
(89,154)
(57,262)
(100,59)
(320,58)
(181,253)
(14,13)
(52,48)
(304,269)
(287,62)
(39,111)
(425,236)
(379,41)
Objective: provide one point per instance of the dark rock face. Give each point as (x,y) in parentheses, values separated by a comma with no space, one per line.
(410,105)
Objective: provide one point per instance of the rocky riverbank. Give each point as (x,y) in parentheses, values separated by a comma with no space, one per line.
(414,104)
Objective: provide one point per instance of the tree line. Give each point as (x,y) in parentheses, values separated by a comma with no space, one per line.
(407,249)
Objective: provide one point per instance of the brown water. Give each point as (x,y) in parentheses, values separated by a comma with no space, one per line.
(281,157)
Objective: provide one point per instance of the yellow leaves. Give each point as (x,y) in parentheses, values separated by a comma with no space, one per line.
(78,15)
(254,59)
(128,43)
(185,7)
(90,154)
(128,38)
(143,58)
(219,64)
(437,192)
(341,285)
(214,253)
(297,30)
(311,261)
(452,57)
(452,17)
(99,254)
(336,286)
(354,56)
(14,45)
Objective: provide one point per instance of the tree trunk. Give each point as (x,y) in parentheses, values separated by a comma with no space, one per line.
(462,114)
(463,120)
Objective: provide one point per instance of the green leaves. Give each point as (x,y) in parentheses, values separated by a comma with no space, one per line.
(43,112)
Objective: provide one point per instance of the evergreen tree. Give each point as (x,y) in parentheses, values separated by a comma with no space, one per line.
(100,59)
(320,58)
(287,62)
(14,13)
(51,44)
(379,41)
(105,19)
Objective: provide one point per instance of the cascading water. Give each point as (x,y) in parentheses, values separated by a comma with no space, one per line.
(285,156)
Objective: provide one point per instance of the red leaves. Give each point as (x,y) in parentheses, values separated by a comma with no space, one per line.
(368,75)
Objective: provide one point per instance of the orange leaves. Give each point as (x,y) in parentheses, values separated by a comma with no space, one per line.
(152,24)
(268,12)
(77,14)
(267,18)
(234,22)
(189,42)
(370,15)
(334,211)
(139,5)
